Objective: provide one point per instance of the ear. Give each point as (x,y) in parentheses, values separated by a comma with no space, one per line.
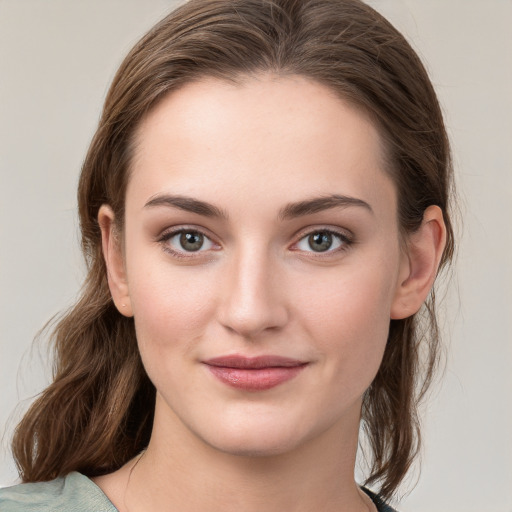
(420,264)
(112,252)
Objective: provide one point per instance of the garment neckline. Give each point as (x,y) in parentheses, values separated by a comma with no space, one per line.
(376,499)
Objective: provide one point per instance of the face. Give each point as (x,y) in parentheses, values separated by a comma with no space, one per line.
(262,261)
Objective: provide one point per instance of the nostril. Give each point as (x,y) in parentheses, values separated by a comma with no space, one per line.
(251,300)
(252,318)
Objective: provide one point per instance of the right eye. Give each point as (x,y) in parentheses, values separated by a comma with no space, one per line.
(186,241)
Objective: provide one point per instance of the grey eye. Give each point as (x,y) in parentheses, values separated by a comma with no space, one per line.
(321,241)
(189,241)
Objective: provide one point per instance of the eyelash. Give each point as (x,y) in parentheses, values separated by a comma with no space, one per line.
(344,241)
(183,254)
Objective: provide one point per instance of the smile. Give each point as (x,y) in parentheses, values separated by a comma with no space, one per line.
(254,373)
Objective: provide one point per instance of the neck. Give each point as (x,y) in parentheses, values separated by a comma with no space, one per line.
(181,472)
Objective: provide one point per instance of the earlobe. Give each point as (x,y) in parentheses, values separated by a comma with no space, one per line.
(420,264)
(112,252)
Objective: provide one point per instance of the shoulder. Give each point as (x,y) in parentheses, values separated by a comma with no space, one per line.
(381,505)
(72,493)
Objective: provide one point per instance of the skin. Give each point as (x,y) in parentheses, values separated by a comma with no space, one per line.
(257,287)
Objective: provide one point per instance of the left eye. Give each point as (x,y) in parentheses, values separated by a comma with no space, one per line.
(189,241)
(321,241)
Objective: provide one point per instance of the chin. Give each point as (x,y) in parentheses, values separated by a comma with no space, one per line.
(260,447)
(260,437)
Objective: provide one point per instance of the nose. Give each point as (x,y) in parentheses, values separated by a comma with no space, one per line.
(253,300)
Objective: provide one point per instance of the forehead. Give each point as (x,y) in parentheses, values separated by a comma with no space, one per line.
(268,135)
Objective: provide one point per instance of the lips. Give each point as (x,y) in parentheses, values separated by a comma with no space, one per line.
(254,373)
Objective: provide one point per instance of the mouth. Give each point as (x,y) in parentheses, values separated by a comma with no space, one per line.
(254,373)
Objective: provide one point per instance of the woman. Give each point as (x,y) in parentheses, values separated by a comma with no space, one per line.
(264,209)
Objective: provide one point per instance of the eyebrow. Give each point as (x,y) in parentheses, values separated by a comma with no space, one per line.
(291,210)
(320,204)
(188,204)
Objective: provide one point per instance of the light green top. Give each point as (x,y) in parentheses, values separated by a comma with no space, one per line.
(72,493)
(77,493)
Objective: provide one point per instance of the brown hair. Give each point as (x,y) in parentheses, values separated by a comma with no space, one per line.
(98,412)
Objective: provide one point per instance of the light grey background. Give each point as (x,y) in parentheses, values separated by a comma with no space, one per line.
(57,58)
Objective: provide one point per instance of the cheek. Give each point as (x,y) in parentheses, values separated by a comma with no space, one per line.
(351,301)
(170,305)
(349,317)
(168,325)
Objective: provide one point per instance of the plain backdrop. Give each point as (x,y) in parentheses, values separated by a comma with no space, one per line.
(57,58)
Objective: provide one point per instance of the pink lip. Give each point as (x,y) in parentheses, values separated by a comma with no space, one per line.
(254,373)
